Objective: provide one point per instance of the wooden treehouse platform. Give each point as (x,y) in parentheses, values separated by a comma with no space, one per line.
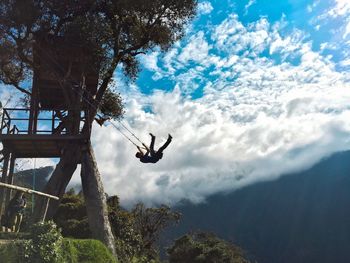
(45,143)
(37,145)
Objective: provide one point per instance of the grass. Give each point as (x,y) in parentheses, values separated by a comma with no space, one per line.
(73,251)
(9,252)
(86,251)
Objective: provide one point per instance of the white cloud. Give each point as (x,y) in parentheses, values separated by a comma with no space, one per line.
(196,50)
(32,163)
(204,8)
(345,63)
(340,8)
(257,119)
(248,5)
(150,60)
(347,29)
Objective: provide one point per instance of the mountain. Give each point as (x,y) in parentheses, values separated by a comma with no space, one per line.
(38,177)
(302,217)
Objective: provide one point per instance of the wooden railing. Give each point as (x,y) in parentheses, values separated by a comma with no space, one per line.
(16,121)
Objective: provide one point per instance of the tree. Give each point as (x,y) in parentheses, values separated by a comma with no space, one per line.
(150,222)
(112,32)
(136,231)
(204,248)
(71,216)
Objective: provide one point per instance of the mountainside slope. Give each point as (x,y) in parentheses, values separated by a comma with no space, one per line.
(302,217)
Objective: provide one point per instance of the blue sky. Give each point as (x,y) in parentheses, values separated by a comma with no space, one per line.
(256,89)
(324,32)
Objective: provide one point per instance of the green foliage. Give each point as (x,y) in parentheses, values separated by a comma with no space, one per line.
(136,232)
(85,251)
(14,235)
(71,216)
(150,222)
(44,245)
(9,252)
(70,251)
(204,248)
(111,105)
(128,240)
(111,32)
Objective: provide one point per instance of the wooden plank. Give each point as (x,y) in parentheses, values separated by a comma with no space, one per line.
(41,137)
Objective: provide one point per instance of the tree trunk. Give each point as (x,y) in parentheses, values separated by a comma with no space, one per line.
(58,181)
(95,199)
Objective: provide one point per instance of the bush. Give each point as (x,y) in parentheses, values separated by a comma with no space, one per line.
(9,252)
(204,247)
(44,245)
(85,251)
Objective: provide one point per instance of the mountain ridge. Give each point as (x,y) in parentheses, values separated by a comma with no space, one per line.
(300,217)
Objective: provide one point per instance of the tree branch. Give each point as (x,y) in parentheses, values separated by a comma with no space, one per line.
(12,83)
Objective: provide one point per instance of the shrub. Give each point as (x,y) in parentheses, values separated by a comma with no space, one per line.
(85,251)
(44,245)
(9,252)
(204,247)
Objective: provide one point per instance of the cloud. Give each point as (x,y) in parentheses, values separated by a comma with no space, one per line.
(258,117)
(32,163)
(204,8)
(196,49)
(340,8)
(247,6)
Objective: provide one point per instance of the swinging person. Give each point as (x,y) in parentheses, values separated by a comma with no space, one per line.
(152,156)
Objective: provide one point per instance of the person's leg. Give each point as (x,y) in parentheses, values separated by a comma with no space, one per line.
(13,222)
(19,218)
(11,217)
(168,141)
(152,144)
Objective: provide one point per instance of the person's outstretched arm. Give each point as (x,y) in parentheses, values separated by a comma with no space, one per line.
(146,147)
(140,150)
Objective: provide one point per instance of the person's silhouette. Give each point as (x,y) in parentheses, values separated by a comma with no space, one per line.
(152,156)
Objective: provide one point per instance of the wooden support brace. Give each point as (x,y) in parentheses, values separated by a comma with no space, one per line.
(46,208)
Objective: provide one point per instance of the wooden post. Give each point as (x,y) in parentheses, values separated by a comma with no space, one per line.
(10,178)
(31,116)
(33,107)
(36,115)
(3,178)
(46,208)
(2,120)
(53,121)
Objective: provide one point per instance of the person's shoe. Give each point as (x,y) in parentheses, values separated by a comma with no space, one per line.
(100,121)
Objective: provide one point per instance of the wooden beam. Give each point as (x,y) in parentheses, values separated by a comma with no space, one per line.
(27,190)
(41,137)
